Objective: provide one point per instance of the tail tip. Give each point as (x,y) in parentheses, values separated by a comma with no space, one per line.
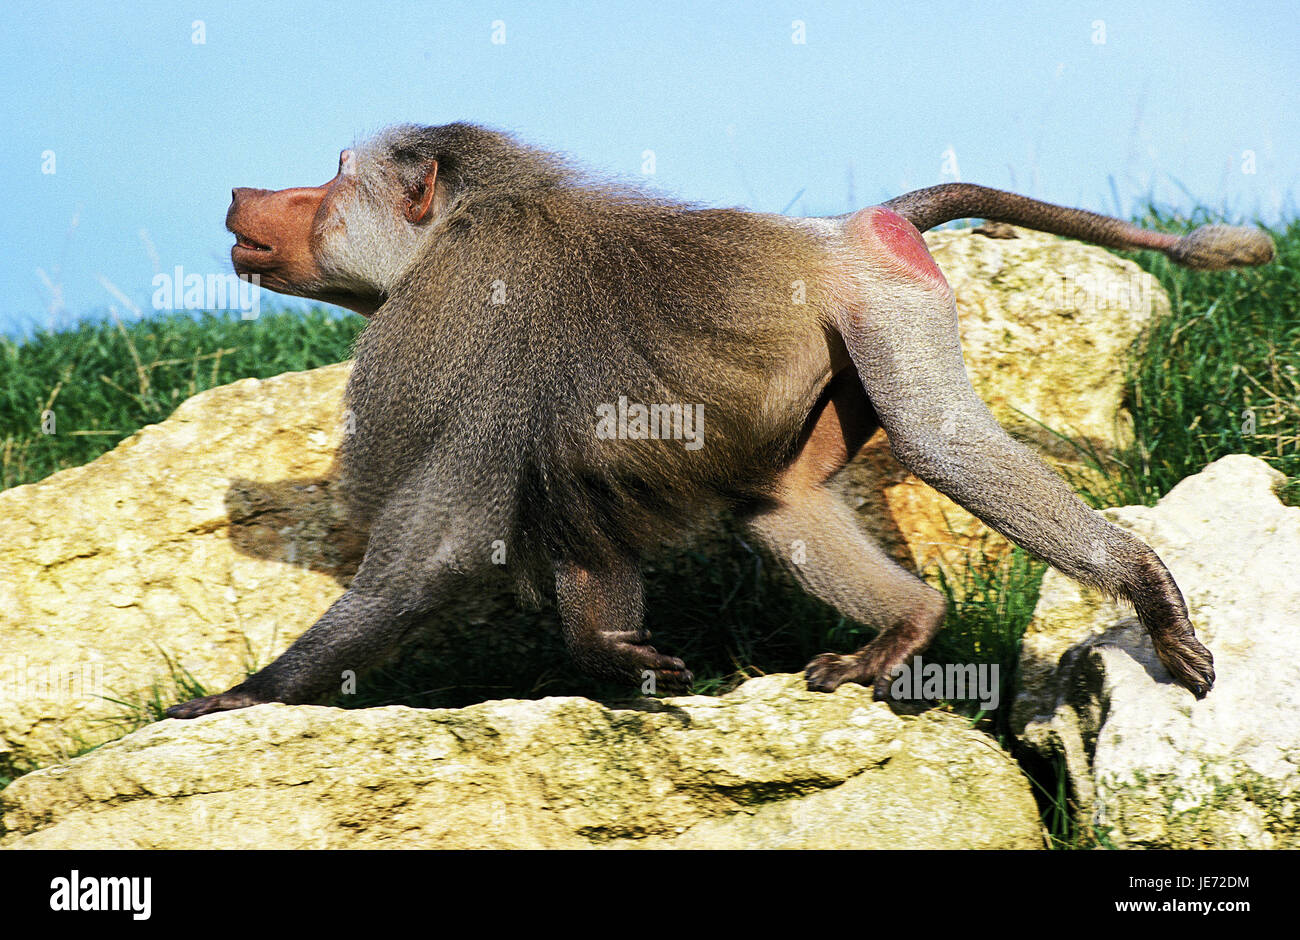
(1218,247)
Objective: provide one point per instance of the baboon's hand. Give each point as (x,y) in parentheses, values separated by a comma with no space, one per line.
(637,657)
(672,675)
(224,702)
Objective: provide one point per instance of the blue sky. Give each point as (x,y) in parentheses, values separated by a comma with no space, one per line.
(150,130)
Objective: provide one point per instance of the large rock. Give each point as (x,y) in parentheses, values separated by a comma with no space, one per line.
(209,542)
(1046,329)
(213,537)
(770,765)
(1150,765)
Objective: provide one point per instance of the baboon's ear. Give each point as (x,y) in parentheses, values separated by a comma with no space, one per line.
(419,201)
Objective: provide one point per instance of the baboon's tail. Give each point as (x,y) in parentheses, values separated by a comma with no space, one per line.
(1212,247)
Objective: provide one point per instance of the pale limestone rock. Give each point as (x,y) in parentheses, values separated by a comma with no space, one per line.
(211,537)
(770,765)
(1151,765)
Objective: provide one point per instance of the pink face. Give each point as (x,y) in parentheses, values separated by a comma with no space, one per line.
(275,231)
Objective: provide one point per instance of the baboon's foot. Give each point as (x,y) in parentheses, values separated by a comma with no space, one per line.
(872,665)
(1186,658)
(828,671)
(224,702)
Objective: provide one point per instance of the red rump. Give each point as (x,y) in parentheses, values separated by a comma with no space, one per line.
(899,238)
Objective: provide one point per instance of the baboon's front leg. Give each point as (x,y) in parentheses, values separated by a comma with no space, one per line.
(357,632)
(395,586)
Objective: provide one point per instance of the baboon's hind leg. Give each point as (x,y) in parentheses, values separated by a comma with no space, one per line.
(902,337)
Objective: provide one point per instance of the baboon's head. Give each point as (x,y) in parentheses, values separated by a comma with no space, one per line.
(345,242)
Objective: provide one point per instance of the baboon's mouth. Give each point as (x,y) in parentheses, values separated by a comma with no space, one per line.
(249,244)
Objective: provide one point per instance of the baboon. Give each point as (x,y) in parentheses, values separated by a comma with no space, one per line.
(515,304)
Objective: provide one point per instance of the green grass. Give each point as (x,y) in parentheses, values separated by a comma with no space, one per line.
(1229,354)
(104,381)
(1232,343)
